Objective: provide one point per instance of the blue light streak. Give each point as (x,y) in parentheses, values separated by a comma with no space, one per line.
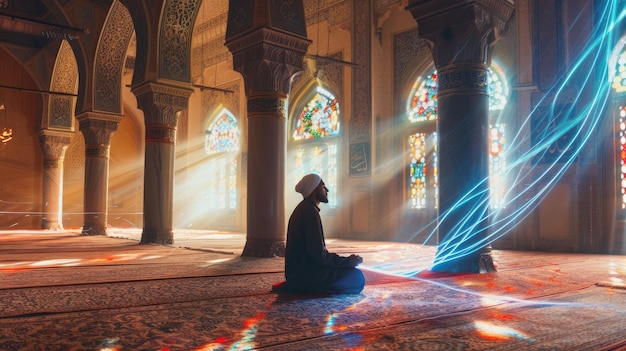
(469,236)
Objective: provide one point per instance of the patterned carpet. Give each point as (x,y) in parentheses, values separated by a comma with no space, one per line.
(62,291)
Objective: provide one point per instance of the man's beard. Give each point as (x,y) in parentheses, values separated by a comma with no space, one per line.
(321,198)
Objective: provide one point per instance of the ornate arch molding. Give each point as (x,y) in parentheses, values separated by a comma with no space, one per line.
(110,59)
(141,21)
(176,29)
(64,80)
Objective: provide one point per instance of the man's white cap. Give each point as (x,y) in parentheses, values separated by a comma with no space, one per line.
(308,183)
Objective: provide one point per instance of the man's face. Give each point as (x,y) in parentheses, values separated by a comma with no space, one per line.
(321,193)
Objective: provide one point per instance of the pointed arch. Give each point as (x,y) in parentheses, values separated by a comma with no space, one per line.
(314,138)
(319,118)
(64,80)
(222,144)
(110,59)
(421,143)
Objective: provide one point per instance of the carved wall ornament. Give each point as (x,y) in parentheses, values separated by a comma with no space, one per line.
(110,59)
(408,48)
(64,80)
(61,108)
(175,39)
(360,125)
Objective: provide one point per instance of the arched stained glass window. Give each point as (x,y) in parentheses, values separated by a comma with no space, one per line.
(222,142)
(423,102)
(422,106)
(314,132)
(497,165)
(319,118)
(223,134)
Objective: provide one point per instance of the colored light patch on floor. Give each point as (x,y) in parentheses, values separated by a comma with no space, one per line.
(495,332)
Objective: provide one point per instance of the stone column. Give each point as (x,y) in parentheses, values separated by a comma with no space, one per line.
(161,105)
(268,42)
(53,144)
(97,128)
(460,34)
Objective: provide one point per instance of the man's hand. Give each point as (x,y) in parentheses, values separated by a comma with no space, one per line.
(355,260)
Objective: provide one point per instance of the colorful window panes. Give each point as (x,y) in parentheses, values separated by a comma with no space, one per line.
(222,183)
(496,166)
(619,79)
(497,88)
(622,153)
(320,159)
(222,139)
(223,134)
(319,118)
(417,170)
(423,170)
(423,102)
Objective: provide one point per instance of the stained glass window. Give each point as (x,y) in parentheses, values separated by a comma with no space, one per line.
(497,88)
(423,102)
(223,134)
(422,106)
(619,81)
(617,67)
(222,141)
(319,118)
(423,171)
(622,154)
(316,151)
(496,165)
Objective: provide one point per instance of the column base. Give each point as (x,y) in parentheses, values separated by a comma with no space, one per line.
(93,230)
(55,226)
(262,248)
(478,263)
(160,237)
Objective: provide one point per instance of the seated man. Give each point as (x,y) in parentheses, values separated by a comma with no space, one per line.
(309,267)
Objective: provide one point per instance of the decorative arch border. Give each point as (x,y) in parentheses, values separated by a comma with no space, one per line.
(176,30)
(110,59)
(64,80)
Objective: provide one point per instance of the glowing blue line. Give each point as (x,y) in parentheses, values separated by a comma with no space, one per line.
(582,126)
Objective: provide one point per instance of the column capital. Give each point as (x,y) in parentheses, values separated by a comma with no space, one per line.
(461,31)
(53,144)
(98,128)
(160,102)
(268,59)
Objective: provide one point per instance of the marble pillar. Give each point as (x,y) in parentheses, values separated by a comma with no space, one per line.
(161,105)
(97,128)
(460,34)
(53,144)
(268,42)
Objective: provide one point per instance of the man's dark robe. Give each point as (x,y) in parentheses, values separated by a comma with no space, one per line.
(309,267)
